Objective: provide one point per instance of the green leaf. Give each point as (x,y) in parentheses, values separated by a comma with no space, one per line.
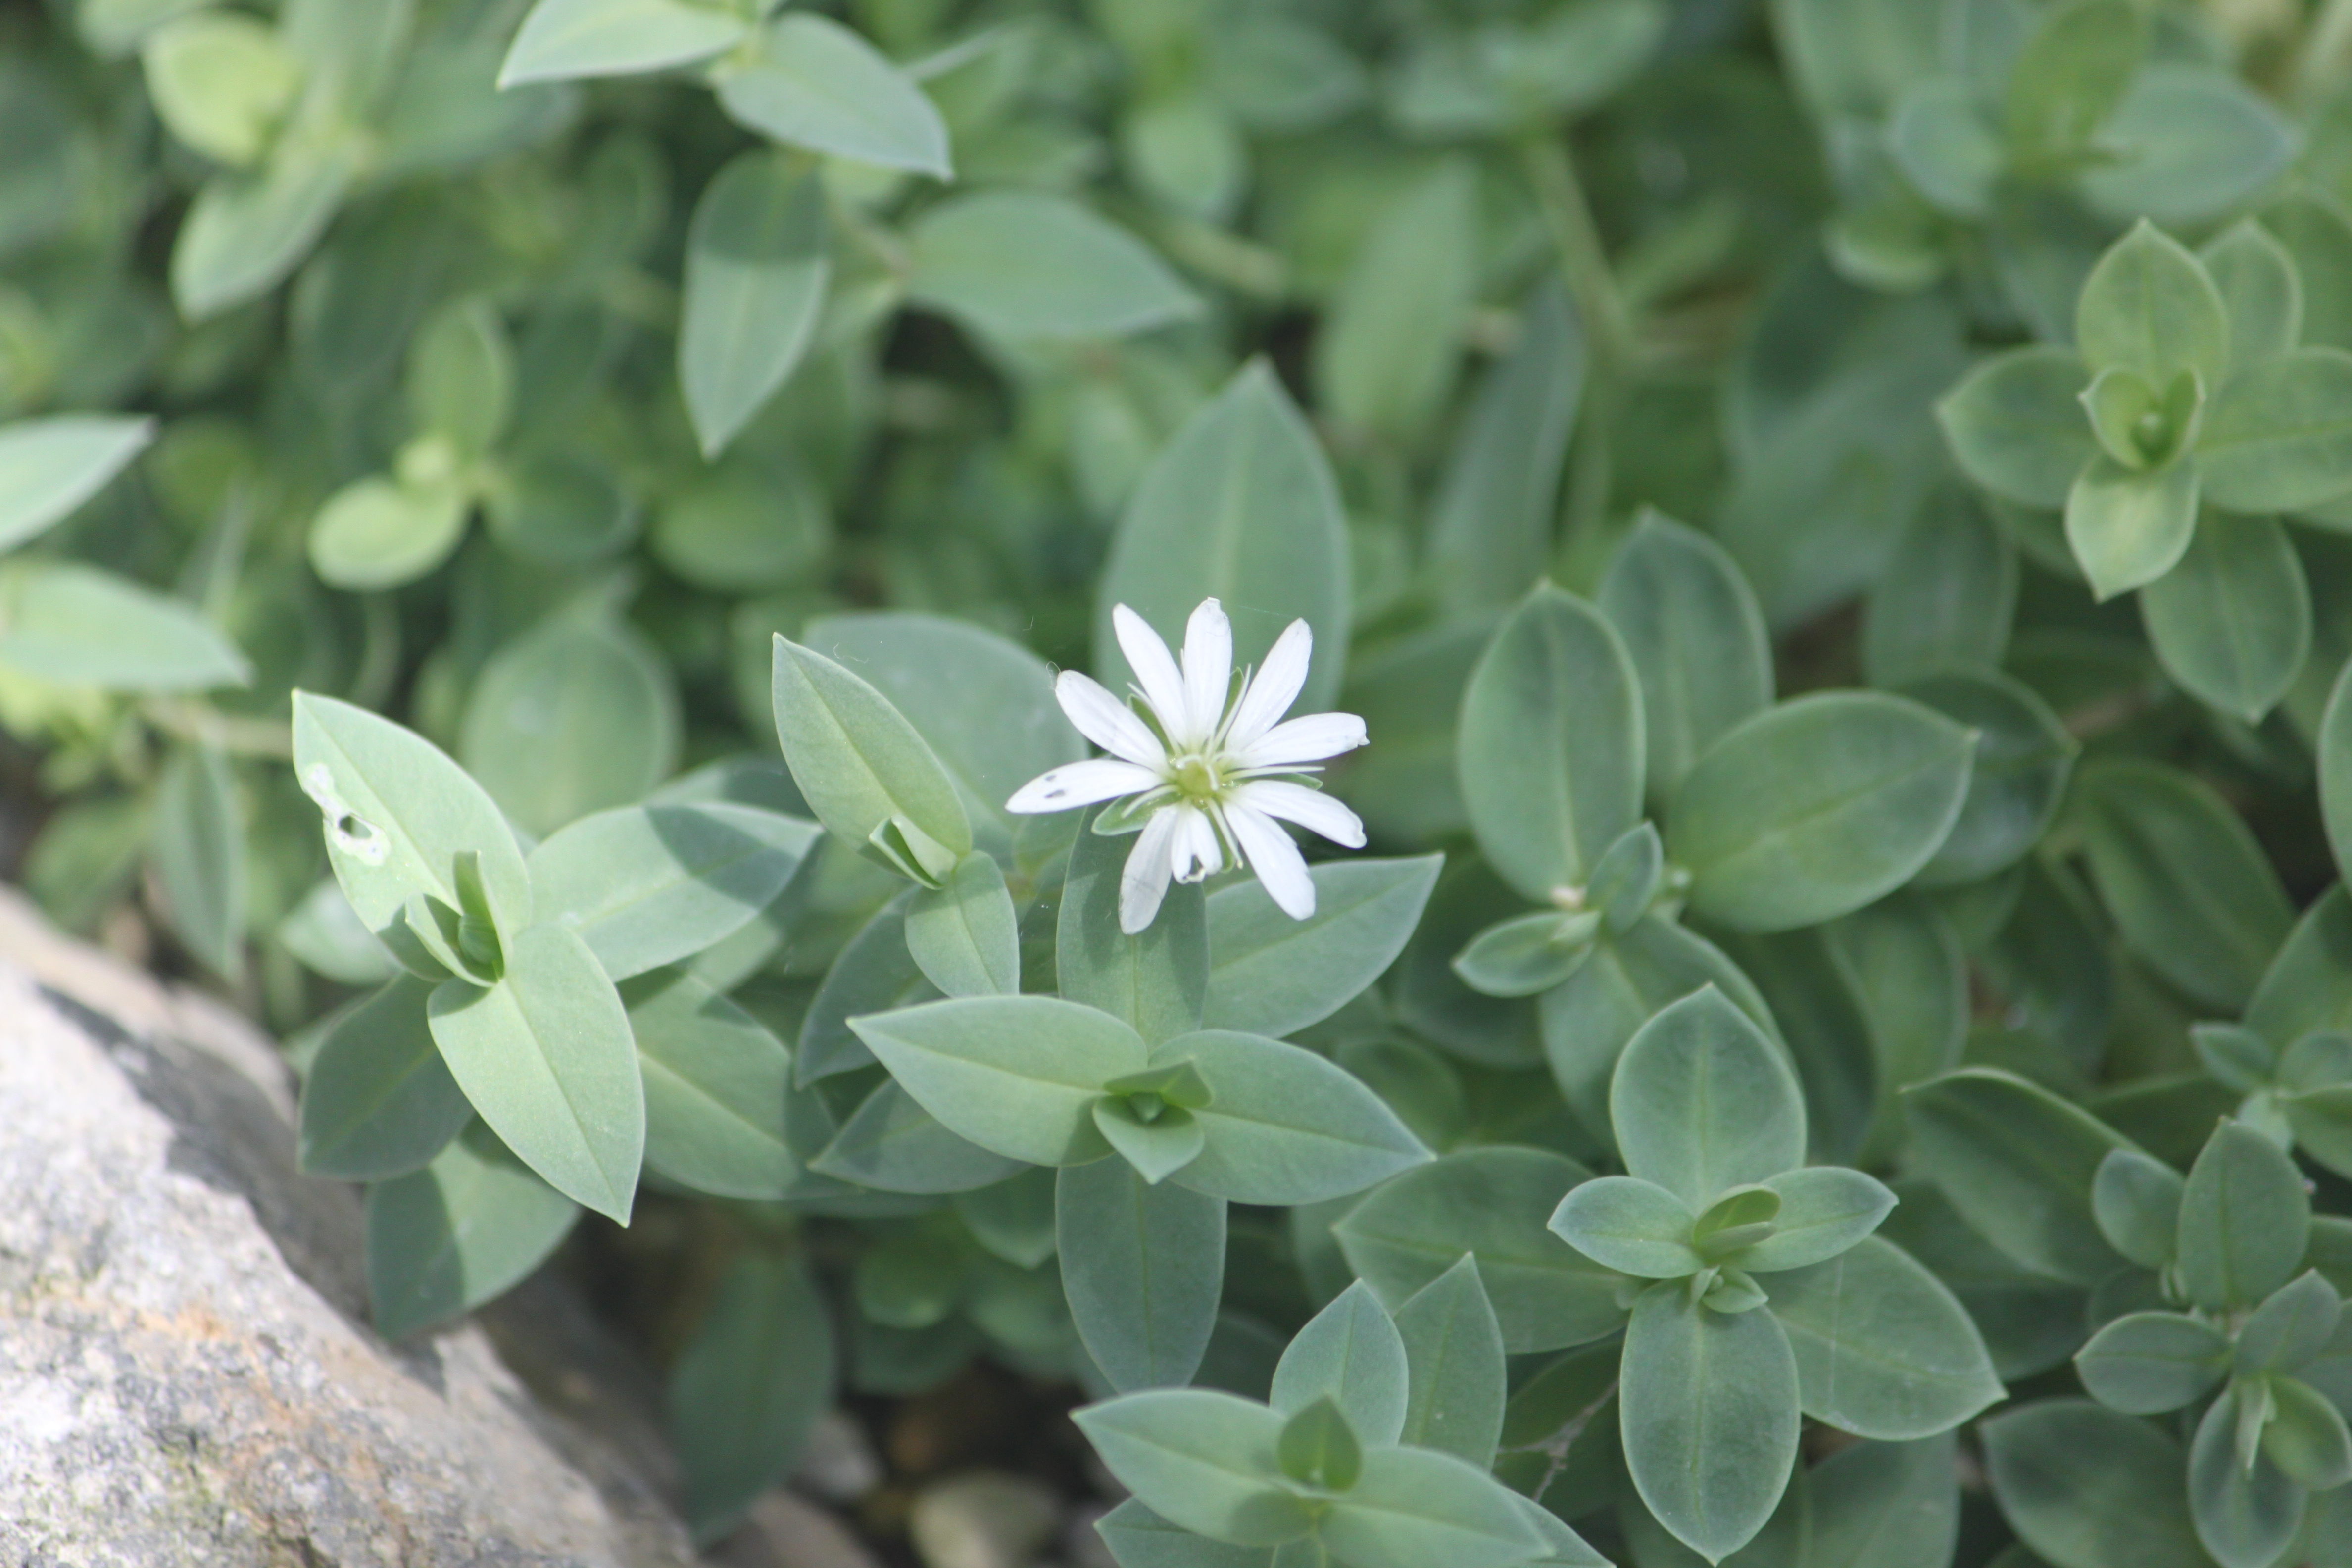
(1239,506)
(1143,1265)
(891,1143)
(2024,755)
(2232,623)
(1491,524)
(2073,69)
(547,1058)
(874,974)
(566,38)
(1708,1406)
(1491,1204)
(1413,1506)
(1825,1210)
(1272,975)
(2127,527)
(2260,289)
(2019,1163)
(811,82)
(460,381)
(2307,1438)
(2284,990)
(377,1102)
(1703,1101)
(1938,136)
(1030,264)
(1202,1460)
(2246,1513)
(646,886)
(222,82)
(2015,427)
(2245,1220)
(1695,637)
(1156,981)
(965,936)
(1138,1538)
(1454,1351)
(1352,1354)
(245,231)
(1947,597)
(1284,1125)
(1627,980)
(982,703)
(1550,752)
(860,765)
(379,532)
(1386,355)
(76,625)
(2194,894)
(1018,1075)
(465,1228)
(759,262)
(577,715)
(2148,307)
(716,1086)
(2090,1488)
(2144,1363)
(199,854)
(1319,1450)
(750,1387)
(1906,968)
(1529,954)
(1885,1505)
(1883,1348)
(398,814)
(2135,1200)
(2278,438)
(48,467)
(2200,143)
(1816,807)
(1629,1225)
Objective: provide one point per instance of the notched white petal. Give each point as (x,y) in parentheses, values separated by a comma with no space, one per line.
(1155,670)
(1143,881)
(1105,720)
(1311,809)
(1310,739)
(1273,687)
(1274,859)
(1208,666)
(1081,783)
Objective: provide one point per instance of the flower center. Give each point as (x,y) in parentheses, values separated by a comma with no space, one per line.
(1196,779)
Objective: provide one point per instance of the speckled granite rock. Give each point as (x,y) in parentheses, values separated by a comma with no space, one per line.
(186,1375)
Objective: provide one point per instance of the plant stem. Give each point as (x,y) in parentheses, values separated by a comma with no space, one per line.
(1608,325)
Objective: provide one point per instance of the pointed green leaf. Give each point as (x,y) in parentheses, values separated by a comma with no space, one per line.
(1883,1348)
(758,264)
(378,1101)
(50,467)
(469,1227)
(811,82)
(1351,1353)
(716,1086)
(1143,1267)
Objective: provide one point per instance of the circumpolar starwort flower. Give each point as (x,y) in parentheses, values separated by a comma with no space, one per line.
(1205,776)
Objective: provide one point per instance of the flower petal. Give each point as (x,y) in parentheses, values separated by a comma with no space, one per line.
(1143,883)
(1306,740)
(1274,859)
(1275,687)
(1196,853)
(1105,720)
(1082,784)
(1311,809)
(1155,670)
(1208,668)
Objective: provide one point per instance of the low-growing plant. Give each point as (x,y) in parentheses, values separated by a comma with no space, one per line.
(1787,558)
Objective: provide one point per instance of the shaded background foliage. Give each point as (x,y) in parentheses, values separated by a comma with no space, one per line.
(528,415)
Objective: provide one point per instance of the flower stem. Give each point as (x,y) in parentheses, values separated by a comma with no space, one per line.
(1609,330)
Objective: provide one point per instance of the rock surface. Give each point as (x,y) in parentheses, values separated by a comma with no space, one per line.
(186,1373)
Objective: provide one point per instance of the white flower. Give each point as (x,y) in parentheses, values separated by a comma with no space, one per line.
(1208,772)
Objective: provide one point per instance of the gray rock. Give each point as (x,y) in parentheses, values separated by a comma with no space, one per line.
(186,1374)
(985,1519)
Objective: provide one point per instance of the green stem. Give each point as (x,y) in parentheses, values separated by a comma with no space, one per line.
(1607,324)
(2327,46)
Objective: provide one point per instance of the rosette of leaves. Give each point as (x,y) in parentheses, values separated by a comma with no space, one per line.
(1756,1290)
(2187,415)
(546,1038)
(2002,132)
(297,117)
(2251,1337)
(1373,1451)
(1577,719)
